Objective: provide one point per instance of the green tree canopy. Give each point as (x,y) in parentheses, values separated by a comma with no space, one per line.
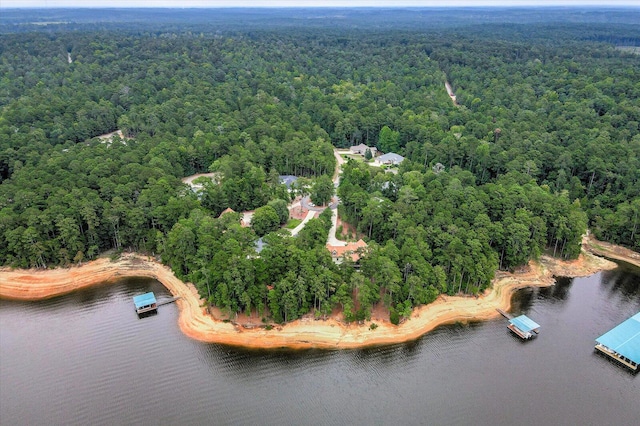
(265,219)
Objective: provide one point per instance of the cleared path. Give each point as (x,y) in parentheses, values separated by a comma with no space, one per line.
(308,217)
(332,240)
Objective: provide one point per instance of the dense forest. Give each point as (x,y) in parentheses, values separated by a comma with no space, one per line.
(543,143)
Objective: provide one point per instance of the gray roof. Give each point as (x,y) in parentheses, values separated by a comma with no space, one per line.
(288,180)
(390,157)
(259,245)
(362,147)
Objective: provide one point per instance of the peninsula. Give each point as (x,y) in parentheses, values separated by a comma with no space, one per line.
(332,333)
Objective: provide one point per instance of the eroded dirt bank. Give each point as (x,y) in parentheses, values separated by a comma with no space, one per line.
(304,333)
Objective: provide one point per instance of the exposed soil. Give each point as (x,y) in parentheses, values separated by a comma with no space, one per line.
(611,251)
(346,229)
(307,332)
(450,93)
(189,179)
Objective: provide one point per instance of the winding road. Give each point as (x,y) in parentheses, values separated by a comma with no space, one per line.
(335,201)
(332,240)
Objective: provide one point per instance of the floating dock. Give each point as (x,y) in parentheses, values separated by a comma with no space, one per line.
(622,343)
(524,327)
(145,302)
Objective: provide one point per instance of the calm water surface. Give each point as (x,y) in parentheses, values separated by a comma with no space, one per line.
(86,358)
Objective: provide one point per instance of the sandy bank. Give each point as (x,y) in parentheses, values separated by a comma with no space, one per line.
(611,251)
(305,333)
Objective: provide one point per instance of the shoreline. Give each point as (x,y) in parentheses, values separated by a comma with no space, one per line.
(307,332)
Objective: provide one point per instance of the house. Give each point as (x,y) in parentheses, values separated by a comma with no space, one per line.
(225,211)
(288,180)
(390,159)
(352,250)
(362,149)
(245,218)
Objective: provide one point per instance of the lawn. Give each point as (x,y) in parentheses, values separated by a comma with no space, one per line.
(293,223)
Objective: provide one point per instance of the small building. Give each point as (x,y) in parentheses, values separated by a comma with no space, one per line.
(390,158)
(362,149)
(523,326)
(622,343)
(145,303)
(352,250)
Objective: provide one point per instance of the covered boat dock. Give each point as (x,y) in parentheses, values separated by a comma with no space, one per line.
(145,303)
(622,343)
(523,326)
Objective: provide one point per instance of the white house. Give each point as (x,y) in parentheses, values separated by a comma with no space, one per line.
(390,158)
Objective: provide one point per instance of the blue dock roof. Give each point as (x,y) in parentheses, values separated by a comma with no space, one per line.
(524,323)
(624,339)
(144,300)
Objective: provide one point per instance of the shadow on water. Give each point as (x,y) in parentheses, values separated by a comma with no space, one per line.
(558,293)
(522,301)
(616,365)
(624,280)
(247,362)
(148,314)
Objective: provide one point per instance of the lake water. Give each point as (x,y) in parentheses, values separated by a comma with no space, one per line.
(86,358)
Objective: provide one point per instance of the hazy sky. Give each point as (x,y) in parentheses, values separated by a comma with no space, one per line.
(308,3)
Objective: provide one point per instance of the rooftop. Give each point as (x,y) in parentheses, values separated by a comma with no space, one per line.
(288,180)
(362,148)
(144,300)
(624,339)
(227,210)
(390,157)
(524,323)
(350,250)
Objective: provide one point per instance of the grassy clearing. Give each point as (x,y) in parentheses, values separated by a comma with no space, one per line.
(293,223)
(630,49)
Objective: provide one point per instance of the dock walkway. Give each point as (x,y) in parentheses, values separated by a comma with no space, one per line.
(504,314)
(166,302)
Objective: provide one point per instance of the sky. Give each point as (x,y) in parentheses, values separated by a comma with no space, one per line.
(308,3)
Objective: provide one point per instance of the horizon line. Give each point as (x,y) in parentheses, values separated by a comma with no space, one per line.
(486,6)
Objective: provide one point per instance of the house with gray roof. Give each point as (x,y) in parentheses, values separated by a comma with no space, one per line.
(362,149)
(390,158)
(288,180)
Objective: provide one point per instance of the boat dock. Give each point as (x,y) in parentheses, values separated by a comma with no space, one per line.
(522,326)
(622,343)
(147,302)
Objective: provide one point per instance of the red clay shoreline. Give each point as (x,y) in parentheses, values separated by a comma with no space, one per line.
(195,322)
